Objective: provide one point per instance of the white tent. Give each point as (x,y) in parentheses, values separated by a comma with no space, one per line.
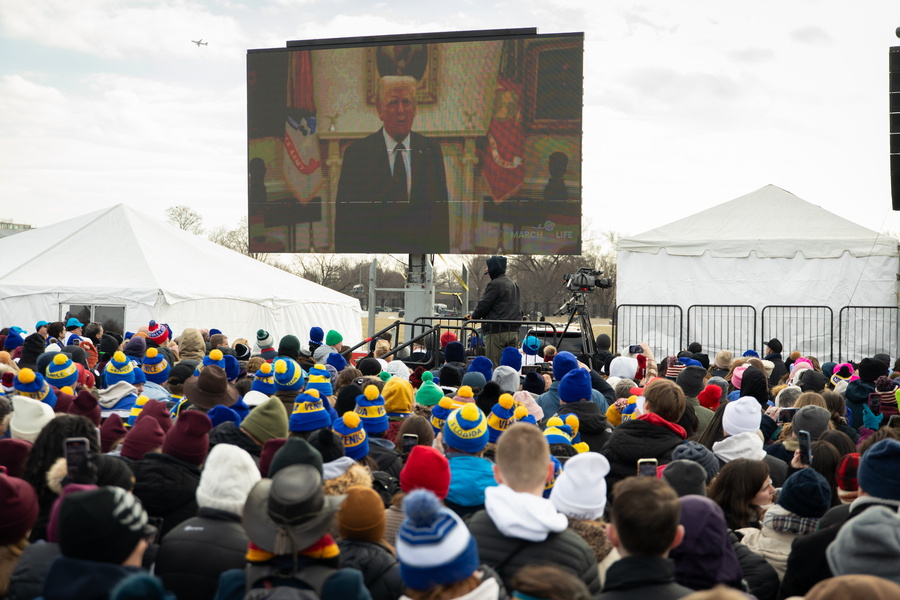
(766,248)
(121,258)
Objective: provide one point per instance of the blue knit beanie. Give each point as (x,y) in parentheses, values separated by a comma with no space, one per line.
(215,357)
(61,371)
(503,414)
(353,435)
(232,367)
(32,385)
(309,412)
(316,335)
(264,380)
(563,362)
(434,546)
(511,357)
(575,386)
(119,368)
(806,494)
(220,414)
(439,414)
(370,408)
(288,374)
(337,361)
(466,429)
(320,380)
(879,470)
(483,365)
(455,352)
(155,366)
(531,345)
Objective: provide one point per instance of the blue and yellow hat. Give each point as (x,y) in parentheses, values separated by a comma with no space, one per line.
(309,413)
(558,432)
(215,357)
(557,471)
(503,414)
(61,371)
(136,410)
(155,366)
(320,379)
(466,429)
(370,408)
(353,435)
(264,380)
(32,385)
(119,368)
(440,412)
(288,374)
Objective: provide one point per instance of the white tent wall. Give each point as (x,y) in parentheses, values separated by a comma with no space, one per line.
(118,256)
(767,248)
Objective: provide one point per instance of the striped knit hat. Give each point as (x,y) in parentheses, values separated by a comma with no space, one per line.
(32,385)
(119,368)
(353,435)
(439,414)
(155,366)
(264,380)
(288,374)
(158,333)
(370,407)
(61,371)
(309,412)
(503,414)
(320,379)
(466,429)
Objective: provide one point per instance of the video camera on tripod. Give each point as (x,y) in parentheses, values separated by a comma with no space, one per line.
(586,279)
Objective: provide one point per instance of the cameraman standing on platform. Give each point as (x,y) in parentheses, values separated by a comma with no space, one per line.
(500,301)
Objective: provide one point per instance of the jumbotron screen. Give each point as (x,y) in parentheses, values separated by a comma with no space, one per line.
(464,142)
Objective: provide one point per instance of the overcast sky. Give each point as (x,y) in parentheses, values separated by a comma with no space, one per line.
(687,103)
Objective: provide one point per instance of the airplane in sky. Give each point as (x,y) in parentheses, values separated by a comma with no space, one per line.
(199,42)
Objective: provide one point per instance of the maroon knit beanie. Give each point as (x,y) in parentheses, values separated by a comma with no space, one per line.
(112,430)
(18,509)
(146,436)
(13,454)
(426,468)
(188,440)
(86,405)
(268,453)
(159,411)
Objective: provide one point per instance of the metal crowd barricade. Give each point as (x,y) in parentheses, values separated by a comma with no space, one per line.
(722,327)
(806,329)
(658,325)
(867,330)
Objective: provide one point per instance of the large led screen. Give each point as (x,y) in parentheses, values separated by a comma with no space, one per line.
(458,143)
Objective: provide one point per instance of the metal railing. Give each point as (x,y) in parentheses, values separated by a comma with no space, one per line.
(721,327)
(867,330)
(658,325)
(806,329)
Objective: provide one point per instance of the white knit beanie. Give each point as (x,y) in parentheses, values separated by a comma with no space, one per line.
(28,418)
(227,478)
(624,367)
(741,415)
(580,492)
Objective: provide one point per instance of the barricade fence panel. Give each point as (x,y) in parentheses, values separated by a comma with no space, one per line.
(718,327)
(658,325)
(805,329)
(865,331)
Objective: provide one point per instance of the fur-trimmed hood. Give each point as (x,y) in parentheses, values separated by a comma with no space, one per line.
(355,475)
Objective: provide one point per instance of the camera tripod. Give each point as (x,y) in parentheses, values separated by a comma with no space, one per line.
(576,307)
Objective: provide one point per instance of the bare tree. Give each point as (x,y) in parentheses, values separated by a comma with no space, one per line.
(186,218)
(238,239)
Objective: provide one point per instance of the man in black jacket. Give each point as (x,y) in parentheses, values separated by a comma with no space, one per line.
(499,301)
(644,528)
(773,355)
(519,527)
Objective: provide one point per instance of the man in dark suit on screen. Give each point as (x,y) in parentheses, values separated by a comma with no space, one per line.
(392,193)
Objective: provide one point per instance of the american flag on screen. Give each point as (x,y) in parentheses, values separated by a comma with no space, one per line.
(302,161)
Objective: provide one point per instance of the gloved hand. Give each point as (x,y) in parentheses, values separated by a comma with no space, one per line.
(870,420)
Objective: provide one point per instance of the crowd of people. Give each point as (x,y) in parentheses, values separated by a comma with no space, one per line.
(164,464)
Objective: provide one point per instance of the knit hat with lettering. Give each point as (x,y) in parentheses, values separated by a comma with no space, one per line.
(309,412)
(353,435)
(288,374)
(466,429)
(155,366)
(370,408)
(119,368)
(440,412)
(61,371)
(264,380)
(32,385)
(503,414)
(158,333)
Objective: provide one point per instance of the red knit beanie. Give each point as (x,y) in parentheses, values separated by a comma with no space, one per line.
(426,468)
(268,453)
(159,411)
(112,431)
(710,397)
(86,405)
(146,436)
(188,440)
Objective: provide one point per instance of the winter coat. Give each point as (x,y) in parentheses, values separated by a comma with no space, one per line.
(807,564)
(379,567)
(549,401)
(27,579)
(70,578)
(704,415)
(386,458)
(760,576)
(191,345)
(565,550)
(195,553)
(857,394)
(772,545)
(648,436)
(488,589)
(749,445)
(593,427)
(640,577)
(288,397)
(470,476)
(167,488)
(346,584)
(229,433)
(500,299)
(779,371)
(594,534)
